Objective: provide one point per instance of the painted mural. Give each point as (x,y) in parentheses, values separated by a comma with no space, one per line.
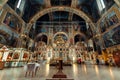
(89,32)
(61,38)
(13,22)
(8,40)
(56,28)
(43,29)
(110,20)
(2,39)
(112,37)
(60,28)
(76,27)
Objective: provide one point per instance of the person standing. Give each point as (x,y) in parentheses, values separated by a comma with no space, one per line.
(97,61)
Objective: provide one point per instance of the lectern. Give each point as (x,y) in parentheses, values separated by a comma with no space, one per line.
(60,74)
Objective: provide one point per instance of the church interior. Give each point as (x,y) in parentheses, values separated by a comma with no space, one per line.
(59,39)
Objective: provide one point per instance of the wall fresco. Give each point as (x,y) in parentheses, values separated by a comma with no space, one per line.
(112,37)
(110,20)
(13,22)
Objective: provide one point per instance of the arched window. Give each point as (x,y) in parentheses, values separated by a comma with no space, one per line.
(101,5)
(20,6)
(19,3)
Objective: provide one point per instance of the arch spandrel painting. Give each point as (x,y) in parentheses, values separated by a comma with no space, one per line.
(13,22)
(112,37)
(110,20)
(60,28)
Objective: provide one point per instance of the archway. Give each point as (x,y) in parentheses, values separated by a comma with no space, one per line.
(63,34)
(79,38)
(42,37)
(62,8)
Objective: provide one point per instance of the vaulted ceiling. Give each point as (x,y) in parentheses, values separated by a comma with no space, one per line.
(35,6)
(89,7)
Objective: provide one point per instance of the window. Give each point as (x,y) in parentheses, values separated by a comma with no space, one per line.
(20,5)
(19,2)
(101,5)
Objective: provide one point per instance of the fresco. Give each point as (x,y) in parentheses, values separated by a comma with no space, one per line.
(60,38)
(2,39)
(71,40)
(13,22)
(110,20)
(76,27)
(60,28)
(42,29)
(112,37)
(8,40)
(89,32)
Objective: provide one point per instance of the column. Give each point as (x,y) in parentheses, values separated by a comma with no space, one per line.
(47,3)
(74,3)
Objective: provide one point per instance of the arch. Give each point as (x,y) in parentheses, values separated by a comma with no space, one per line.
(61,8)
(42,35)
(79,33)
(41,43)
(60,33)
(81,36)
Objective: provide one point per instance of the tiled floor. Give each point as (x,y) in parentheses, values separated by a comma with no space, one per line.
(78,72)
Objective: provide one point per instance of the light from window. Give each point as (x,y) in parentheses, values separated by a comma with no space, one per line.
(19,2)
(101,5)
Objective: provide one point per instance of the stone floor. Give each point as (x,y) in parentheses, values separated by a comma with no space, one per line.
(77,72)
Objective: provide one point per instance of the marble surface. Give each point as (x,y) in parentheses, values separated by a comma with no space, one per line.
(77,72)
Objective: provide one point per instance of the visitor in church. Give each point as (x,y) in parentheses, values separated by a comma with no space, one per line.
(97,61)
